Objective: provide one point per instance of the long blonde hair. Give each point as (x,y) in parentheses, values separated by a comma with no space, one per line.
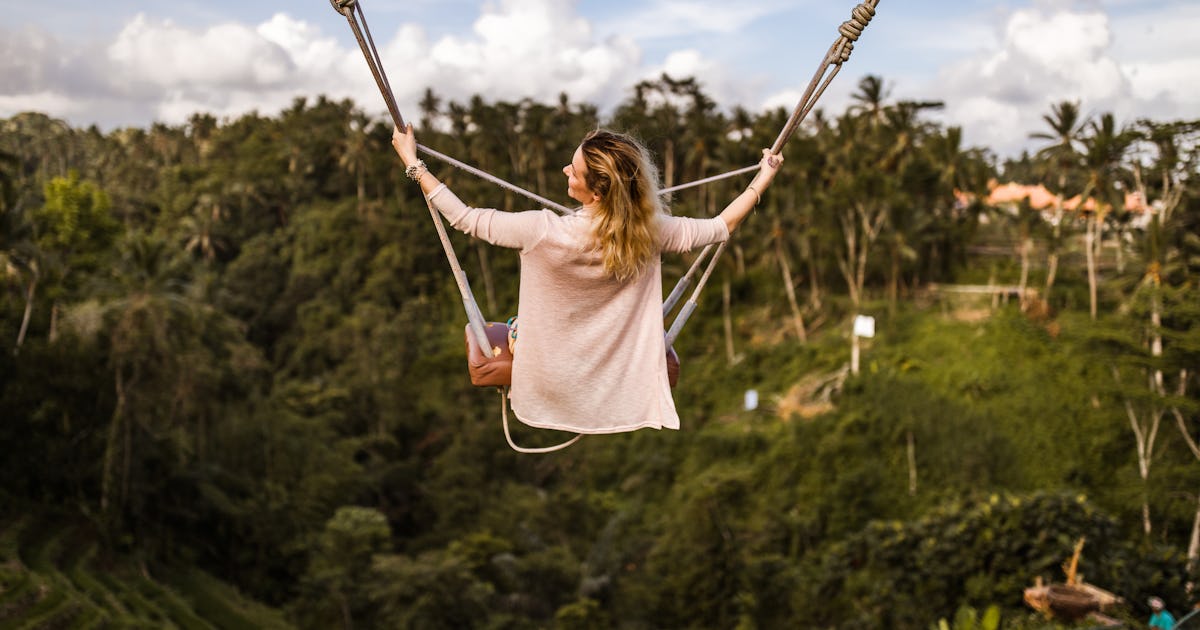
(621,173)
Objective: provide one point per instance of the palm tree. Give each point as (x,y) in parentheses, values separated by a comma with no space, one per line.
(869,99)
(199,228)
(8,182)
(19,253)
(890,136)
(1163,184)
(45,141)
(356,156)
(201,129)
(1061,157)
(1105,149)
(430,105)
(902,135)
(962,180)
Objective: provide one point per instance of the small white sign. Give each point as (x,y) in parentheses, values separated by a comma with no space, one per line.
(751,399)
(864,326)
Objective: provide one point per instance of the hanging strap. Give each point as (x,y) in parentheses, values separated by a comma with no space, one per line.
(522,449)
(690,306)
(838,53)
(470,305)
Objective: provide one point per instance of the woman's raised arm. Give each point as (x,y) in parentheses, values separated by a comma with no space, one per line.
(745,202)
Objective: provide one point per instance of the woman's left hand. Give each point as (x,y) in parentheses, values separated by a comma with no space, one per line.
(405,143)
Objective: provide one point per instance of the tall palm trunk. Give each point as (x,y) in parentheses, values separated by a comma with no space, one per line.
(814,276)
(911,451)
(1089,240)
(894,279)
(1145,434)
(730,355)
(29,292)
(669,164)
(1193,552)
(1056,238)
(1052,264)
(1145,428)
(110,445)
(361,191)
(54,322)
(1025,247)
(789,285)
(853,264)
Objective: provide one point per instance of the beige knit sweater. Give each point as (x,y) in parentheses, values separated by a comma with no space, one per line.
(590,357)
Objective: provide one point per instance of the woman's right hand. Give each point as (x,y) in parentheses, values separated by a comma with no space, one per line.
(768,167)
(405,143)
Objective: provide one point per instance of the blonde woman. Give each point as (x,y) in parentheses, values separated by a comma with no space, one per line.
(591,356)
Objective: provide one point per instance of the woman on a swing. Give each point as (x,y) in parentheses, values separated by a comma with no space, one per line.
(591,356)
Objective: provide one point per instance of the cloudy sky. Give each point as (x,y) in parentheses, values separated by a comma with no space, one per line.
(997,64)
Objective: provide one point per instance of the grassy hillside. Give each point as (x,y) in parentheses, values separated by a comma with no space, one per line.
(52,576)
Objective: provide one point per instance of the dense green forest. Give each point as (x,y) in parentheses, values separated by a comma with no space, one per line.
(234,394)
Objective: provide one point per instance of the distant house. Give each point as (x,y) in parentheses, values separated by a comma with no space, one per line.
(1011,195)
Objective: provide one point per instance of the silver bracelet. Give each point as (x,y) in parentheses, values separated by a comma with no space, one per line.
(757,198)
(415,171)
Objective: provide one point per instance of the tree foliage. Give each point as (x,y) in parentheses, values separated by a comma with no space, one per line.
(240,351)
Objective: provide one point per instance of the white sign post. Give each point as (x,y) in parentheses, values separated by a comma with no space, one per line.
(751,400)
(864,326)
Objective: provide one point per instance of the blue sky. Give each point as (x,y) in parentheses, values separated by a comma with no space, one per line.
(998,64)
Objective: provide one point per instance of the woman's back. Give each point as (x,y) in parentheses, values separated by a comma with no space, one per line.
(591,356)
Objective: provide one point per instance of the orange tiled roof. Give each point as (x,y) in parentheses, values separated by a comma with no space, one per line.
(1041,199)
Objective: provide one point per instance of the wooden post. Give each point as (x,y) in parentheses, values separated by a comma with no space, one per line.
(854,353)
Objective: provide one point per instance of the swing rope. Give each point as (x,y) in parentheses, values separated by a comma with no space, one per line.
(522,449)
(352,11)
(839,53)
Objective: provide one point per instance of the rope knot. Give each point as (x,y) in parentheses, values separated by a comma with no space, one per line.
(345,7)
(853,28)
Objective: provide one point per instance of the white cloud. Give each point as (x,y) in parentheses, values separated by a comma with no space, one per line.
(25,57)
(41,101)
(675,18)
(1001,68)
(1159,35)
(308,49)
(1059,41)
(687,63)
(1044,57)
(524,48)
(518,49)
(1160,54)
(1176,81)
(161,70)
(161,54)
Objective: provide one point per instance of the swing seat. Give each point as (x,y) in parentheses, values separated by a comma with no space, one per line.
(493,367)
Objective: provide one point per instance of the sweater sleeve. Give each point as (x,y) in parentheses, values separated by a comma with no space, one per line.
(681,234)
(516,230)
